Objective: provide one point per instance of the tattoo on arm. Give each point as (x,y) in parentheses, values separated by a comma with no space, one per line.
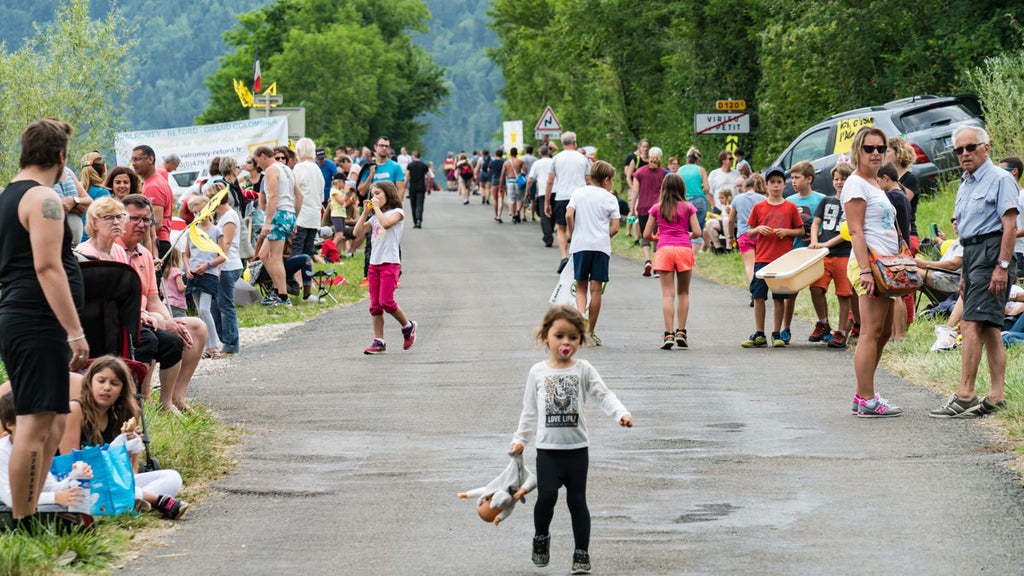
(52,209)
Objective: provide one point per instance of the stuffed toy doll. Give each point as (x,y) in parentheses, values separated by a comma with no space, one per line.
(498,498)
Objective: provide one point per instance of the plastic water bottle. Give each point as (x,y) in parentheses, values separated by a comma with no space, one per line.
(76,477)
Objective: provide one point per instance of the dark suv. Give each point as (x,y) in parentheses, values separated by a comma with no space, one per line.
(926,122)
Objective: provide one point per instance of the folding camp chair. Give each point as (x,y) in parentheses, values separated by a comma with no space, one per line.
(322,279)
(110,317)
(934,295)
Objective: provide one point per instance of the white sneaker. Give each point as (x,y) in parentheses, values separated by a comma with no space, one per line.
(311,298)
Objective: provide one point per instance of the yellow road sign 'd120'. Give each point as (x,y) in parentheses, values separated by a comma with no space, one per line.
(729,105)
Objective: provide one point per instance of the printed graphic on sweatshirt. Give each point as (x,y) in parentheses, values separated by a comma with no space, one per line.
(561,401)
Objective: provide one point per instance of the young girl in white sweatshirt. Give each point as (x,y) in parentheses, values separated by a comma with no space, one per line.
(553,412)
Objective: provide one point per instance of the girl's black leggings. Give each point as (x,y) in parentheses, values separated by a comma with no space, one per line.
(557,468)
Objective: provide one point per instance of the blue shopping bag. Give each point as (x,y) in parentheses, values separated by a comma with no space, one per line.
(112,489)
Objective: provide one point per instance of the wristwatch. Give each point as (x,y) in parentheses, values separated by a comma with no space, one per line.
(77,199)
(1004,264)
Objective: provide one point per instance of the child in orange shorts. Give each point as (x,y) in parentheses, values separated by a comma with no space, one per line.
(828,218)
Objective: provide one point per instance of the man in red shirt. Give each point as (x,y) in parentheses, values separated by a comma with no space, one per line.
(158,190)
(774,222)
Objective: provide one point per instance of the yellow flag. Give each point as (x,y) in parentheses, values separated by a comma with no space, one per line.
(197,236)
(203,241)
(210,206)
(243,93)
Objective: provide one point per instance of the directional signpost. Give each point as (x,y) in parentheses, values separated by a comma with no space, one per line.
(548,125)
(722,123)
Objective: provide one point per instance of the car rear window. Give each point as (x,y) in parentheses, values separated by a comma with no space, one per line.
(925,118)
(184,179)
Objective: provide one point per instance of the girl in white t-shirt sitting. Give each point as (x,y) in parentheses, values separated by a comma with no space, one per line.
(383,215)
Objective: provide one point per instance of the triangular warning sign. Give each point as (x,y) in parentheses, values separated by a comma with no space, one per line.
(548,122)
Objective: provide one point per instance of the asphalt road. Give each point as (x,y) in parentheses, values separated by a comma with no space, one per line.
(740,462)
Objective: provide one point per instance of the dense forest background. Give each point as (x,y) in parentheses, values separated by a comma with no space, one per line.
(179,49)
(616,71)
(458,39)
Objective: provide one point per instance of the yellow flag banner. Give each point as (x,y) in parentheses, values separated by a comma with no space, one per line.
(243,93)
(210,206)
(203,241)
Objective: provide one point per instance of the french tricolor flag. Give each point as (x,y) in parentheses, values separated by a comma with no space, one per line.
(256,72)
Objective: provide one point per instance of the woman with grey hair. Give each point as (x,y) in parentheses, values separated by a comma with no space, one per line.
(229,170)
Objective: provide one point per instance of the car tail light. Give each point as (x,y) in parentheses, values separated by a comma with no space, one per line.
(922,158)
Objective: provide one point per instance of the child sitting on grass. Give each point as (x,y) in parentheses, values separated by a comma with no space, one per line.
(54,493)
(107,403)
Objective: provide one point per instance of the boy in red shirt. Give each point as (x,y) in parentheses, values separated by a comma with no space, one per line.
(774,222)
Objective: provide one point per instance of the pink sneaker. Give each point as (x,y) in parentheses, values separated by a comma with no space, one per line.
(410,335)
(377,347)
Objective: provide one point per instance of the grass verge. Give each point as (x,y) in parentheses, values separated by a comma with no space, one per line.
(910,359)
(350,268)
(196,445)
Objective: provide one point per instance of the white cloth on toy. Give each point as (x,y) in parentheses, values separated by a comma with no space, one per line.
(500,490)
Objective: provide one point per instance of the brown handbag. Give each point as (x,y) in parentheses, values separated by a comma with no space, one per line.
(895,275)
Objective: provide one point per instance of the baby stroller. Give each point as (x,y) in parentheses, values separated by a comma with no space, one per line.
(110,318)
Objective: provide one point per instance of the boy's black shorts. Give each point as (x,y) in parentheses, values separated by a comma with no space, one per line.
(36,354)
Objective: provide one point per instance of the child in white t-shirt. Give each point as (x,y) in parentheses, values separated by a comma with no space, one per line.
(592,218)
(382,216)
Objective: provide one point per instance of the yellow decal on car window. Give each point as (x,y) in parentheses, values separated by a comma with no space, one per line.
(845,130)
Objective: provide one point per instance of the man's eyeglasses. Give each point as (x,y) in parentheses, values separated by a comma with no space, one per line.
(137,159)
(969,148)
(111,218)
(873,149)
(141,220)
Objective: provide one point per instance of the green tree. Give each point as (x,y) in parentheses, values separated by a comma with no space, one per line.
(616,71)
(351,63)
(77,69)
(999,82)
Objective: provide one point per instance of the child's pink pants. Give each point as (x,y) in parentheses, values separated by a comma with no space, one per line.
(383,279)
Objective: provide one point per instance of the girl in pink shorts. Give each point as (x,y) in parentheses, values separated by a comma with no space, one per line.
(677,225)
(382,216)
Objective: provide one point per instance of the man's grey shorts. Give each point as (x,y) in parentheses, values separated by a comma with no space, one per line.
(980,305)
(513,193)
